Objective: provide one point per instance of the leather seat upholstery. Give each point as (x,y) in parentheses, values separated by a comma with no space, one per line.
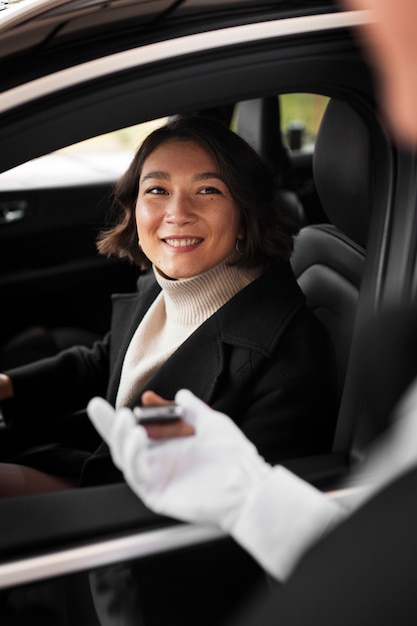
(329,258)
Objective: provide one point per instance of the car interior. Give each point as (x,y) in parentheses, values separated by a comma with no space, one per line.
(340,195)
(328,262)
(328,259)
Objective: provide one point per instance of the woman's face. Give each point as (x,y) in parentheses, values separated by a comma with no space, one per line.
(186,218)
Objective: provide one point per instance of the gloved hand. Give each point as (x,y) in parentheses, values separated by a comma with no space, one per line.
(204,477)
(217,477)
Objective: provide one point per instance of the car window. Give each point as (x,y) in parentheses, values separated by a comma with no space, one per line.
(106,157)
(301,115)
(100,159)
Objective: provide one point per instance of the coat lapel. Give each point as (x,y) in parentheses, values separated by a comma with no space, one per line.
(257,316)
(253,320)
(128,312)
(196,365)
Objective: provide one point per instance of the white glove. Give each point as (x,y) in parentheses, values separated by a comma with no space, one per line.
(218,477)
(204,477)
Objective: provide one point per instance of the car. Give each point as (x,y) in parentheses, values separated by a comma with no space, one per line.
(292,78)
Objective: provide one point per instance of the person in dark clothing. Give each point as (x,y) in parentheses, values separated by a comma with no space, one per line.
(217,310)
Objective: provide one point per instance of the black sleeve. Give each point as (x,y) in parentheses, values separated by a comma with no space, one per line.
(62,383)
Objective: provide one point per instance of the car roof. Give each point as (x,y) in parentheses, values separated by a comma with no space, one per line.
(19,12)
(29,23)
(53,79)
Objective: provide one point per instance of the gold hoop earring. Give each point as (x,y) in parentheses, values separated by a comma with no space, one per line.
(238,241)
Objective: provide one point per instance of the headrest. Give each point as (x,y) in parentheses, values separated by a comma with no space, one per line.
(258,122)
(343,170)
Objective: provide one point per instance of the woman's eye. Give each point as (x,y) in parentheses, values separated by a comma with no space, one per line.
(156,190)
(210,190)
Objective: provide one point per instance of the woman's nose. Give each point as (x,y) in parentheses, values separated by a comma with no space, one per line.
(180,210)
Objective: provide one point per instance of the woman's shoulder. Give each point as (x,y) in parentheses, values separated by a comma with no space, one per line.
(278,286)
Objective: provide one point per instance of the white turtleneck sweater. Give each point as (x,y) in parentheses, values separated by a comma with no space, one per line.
(181,307)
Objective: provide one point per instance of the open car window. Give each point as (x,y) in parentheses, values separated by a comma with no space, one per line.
(105,157)
(101,159)
(301,115)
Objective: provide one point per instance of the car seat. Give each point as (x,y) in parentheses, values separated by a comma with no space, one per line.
(328,258)
(258,122)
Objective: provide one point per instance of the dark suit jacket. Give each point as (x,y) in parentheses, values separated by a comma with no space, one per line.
(263,359)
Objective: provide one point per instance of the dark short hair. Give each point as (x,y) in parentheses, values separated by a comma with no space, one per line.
(269,232)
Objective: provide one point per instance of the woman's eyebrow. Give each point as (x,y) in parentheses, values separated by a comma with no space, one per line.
(157,174)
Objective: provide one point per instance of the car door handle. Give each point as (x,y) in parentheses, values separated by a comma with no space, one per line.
(12,211)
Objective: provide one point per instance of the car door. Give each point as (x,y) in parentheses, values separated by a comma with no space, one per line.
(55,287)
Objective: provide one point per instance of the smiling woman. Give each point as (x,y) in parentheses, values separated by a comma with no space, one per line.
(187,220)
(217,310)
(245,180)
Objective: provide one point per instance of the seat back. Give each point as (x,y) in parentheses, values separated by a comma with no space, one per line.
(328,259)
(258,122)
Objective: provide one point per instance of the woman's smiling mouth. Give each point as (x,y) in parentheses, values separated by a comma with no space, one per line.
(182,243)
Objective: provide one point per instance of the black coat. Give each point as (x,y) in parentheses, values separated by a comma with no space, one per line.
(263,358)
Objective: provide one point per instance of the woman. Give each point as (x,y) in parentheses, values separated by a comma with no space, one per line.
(218,312)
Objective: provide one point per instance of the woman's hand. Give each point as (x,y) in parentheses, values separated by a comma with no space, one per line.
(179,428)
(6,387)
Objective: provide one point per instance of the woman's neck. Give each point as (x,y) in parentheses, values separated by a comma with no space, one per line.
(193,300)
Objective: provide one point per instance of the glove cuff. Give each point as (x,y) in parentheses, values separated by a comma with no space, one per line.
(281,518)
